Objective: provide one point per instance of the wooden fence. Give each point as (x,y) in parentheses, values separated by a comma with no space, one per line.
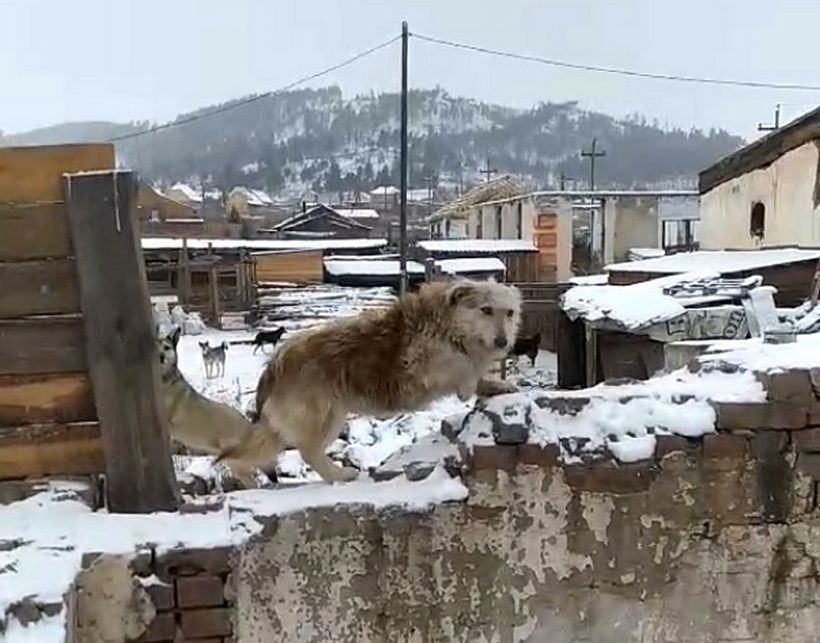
(78,367)
(540,311)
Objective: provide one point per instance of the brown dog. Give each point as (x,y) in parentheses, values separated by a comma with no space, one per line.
(442,340)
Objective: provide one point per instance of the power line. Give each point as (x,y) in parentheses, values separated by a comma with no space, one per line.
(614,70)
(258,97)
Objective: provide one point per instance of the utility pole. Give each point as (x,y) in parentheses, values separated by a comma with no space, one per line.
(562,180)
(768,128)
(488,171)
(405,35)
(592,154)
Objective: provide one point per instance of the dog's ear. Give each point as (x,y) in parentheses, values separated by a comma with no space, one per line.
(174,335)
(458,292)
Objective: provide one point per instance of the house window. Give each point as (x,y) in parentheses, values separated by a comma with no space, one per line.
(757,220)
(479,231)
(680,234)
(498,234)
(448,227)
(519,221)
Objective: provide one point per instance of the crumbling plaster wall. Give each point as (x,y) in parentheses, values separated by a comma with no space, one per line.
(694,546)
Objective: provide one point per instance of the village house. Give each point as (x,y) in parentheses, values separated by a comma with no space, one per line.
(385,197)
(766,194)
(319,222)
(186,194)
(594,227)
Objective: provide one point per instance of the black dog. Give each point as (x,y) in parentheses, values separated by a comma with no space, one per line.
(263,337)
(527,346)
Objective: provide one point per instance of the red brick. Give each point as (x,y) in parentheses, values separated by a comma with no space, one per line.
(789,386)
(807,439)
(814,414)
(724,445)
(667,444)
(162,628)
(206,623)
(200,591)
(605,476)
(188,562)
(162,596)
(754,415)
(538,455)
(809,464)
(495,456)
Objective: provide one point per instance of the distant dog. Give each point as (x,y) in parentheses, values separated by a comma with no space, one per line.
(528,346)
(214,358)
(267,337)
(439,341)
(197,422)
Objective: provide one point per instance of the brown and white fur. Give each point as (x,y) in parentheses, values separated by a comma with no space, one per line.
(442,340)
(197,422)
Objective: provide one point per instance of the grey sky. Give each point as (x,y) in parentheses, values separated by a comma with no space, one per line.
(151,59)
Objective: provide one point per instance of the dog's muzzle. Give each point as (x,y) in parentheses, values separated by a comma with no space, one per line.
(500,341)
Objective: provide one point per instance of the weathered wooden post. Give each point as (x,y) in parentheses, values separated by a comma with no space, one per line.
(120,344)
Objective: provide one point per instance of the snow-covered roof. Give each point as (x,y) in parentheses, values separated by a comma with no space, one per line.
(254,197)
(185,220)
(477,246)
(340,267)
(419,195)
(589,280)
(358,213)
(167,243)
(629,307)
(639,254)
(471,264)
(189,193)
(383,190)
(504,187)
(720,261)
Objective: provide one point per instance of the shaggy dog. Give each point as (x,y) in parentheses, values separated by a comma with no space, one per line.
(439,341)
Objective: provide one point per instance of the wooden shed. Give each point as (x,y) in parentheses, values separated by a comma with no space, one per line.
(789,270)
(520,257)
(301,266)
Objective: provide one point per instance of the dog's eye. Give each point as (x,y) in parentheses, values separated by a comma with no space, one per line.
(487,310)
(509,313)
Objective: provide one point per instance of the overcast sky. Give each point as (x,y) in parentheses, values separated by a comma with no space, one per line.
(151,59)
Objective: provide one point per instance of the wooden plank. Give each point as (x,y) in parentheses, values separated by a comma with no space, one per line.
(35,174)
(34,232)
(42,345)
(56,449)
(38,288)
(44,399)
(120,345)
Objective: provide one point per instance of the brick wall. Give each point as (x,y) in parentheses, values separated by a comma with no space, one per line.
(190,596)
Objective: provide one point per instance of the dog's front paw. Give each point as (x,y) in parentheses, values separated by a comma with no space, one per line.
(347,474)
(489,388)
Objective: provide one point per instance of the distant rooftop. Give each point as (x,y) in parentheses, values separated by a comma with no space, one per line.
(720,261)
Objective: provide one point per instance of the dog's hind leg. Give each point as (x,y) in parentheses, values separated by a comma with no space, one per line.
(313,441)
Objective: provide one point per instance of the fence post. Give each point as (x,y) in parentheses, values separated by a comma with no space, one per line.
(119,341)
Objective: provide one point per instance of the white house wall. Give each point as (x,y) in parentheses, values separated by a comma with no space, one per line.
(786,188)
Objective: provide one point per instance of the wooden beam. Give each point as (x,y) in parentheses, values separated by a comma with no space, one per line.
(35,174)
(34,232)
(44,399)
(120,344)
(38,288)
(45,450)
(42,345)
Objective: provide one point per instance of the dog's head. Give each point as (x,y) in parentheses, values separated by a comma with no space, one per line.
(486,312)
(167,349)
(205,347)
